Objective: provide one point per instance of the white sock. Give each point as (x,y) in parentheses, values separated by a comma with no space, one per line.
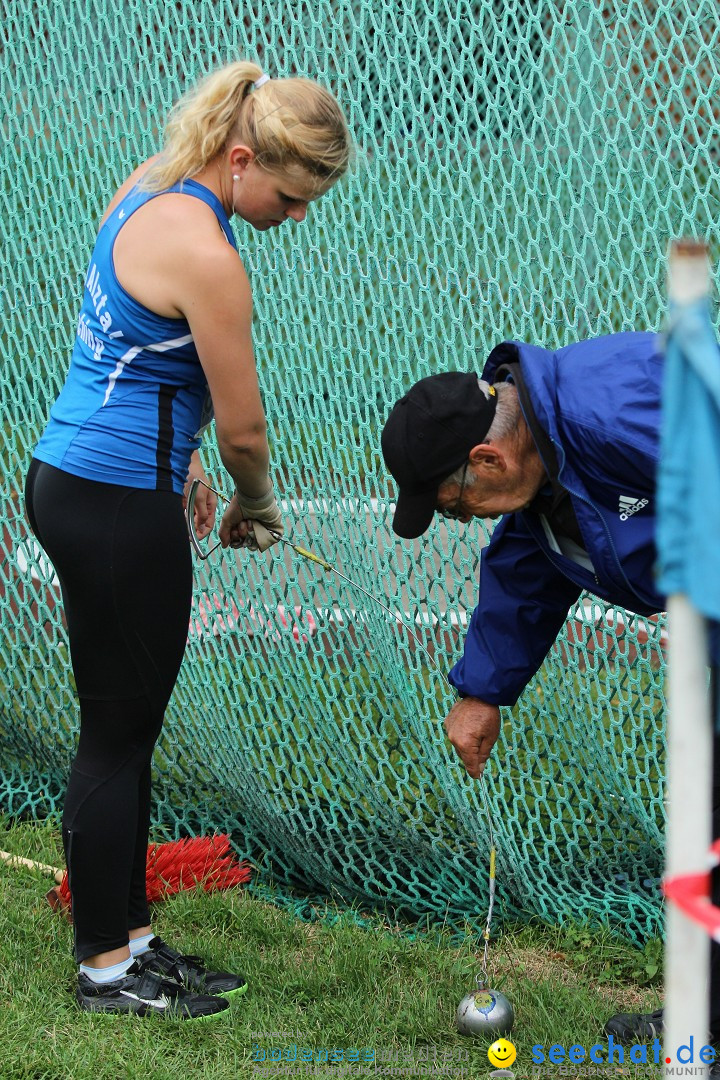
(107,974)
(140,945)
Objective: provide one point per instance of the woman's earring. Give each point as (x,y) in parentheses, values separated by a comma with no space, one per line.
(235,176)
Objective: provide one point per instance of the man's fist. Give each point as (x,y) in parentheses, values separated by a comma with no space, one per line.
(473,727)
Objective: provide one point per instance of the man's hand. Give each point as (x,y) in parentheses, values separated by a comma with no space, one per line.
(473,727)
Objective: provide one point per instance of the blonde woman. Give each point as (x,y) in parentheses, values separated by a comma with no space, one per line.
(164,332)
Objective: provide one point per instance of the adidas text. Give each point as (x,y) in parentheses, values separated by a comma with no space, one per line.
(629,506)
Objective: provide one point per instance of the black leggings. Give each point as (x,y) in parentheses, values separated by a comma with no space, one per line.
(124,564)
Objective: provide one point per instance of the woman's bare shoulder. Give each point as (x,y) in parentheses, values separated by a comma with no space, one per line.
(127,185)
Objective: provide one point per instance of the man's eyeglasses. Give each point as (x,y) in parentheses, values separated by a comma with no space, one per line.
(454,513)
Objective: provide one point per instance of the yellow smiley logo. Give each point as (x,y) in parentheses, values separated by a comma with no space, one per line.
(502,1053)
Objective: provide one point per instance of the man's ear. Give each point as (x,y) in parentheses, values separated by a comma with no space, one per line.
(488,458)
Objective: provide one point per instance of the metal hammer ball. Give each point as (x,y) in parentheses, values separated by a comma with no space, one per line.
(485,1012)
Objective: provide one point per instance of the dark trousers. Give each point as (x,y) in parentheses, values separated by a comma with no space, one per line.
(124,564)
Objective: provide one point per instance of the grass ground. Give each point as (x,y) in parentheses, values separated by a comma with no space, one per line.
(335,985)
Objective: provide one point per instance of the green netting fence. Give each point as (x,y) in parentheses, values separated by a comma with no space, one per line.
(520,169)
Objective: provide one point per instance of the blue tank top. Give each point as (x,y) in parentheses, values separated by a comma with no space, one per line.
(135,398)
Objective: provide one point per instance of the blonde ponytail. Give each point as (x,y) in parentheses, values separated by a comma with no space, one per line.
(200,124)
(285,122)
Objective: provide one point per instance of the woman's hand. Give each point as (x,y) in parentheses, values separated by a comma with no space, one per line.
(235,527)
(205,499)
(251,522)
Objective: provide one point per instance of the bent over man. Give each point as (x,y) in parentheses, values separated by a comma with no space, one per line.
(563,446)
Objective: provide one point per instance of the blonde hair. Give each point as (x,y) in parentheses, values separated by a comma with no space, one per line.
(285,122)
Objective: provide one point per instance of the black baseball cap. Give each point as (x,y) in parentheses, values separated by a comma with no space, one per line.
(428,435)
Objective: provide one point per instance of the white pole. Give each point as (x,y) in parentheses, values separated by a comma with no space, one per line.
(689,774)
(689,780)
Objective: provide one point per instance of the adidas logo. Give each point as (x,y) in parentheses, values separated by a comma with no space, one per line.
(629,505)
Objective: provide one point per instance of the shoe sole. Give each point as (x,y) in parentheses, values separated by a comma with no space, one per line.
(227,994)
(170,1014)
(154,1012)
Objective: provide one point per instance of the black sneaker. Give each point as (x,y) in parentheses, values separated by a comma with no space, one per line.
(630,1028)
(189,971)
(144,992)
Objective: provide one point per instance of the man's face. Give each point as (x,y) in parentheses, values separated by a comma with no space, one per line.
(491,494)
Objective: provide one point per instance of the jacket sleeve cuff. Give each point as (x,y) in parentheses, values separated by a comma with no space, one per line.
(474,687)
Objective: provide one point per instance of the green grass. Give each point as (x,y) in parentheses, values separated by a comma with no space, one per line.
(336,983)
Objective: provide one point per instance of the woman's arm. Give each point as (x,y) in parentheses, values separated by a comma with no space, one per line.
(173,257)
(214,296)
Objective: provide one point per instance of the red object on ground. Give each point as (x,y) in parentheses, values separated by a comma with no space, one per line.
(691,893)
(200,862)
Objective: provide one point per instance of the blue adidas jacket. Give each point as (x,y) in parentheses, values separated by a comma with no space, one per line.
(599,402)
